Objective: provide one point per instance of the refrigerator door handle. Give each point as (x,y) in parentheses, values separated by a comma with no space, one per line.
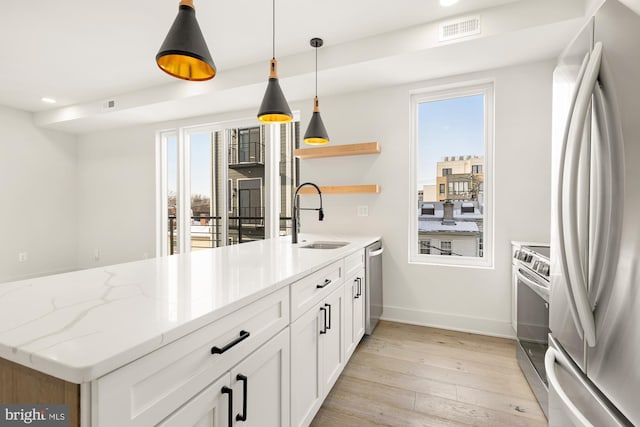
(577,275)
(550,358)
(609,206)
(560,198)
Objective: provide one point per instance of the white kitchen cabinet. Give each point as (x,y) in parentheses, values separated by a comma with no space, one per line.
(209,408)
(261,385)
(148,390)
(306,385)
(317,356)
(332,342)
(354,311)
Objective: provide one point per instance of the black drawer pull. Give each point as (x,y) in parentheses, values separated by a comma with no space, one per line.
(324,312)
(359,279)
(243,336)
(245,386)
(329,305)
(356,287)
(326,283)
(229,391)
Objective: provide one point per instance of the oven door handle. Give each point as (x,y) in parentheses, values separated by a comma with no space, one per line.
(543,291)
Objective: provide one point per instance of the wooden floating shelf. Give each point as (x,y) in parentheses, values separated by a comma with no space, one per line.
(338,150)
(342,189)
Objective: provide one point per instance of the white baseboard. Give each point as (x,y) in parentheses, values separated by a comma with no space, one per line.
(474,325)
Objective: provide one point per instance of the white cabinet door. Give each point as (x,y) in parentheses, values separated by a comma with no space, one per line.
(261,385)
(350,291)
(209,408)
(358,307)
(354,312)
(332,342)
(306,386)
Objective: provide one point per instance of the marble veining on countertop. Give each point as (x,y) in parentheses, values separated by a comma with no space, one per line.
(81,325)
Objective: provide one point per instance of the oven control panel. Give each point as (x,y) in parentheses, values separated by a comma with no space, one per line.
(534,261)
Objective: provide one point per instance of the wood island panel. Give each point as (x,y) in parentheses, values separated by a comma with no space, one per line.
(22,385)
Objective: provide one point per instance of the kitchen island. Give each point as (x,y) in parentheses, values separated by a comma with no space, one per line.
(143,340)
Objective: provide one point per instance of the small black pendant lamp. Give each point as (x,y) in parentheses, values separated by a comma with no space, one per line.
(316,133)
(184,53)
(274,107)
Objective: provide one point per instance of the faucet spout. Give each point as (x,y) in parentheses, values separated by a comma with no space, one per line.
(295,215)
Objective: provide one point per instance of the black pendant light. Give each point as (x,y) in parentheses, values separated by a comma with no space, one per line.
(316,133)
(274,107)
(184,53)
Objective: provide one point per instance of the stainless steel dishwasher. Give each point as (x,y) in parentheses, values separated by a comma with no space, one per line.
(373,283)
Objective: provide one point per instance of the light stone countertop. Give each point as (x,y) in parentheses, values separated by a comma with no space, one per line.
(81,325)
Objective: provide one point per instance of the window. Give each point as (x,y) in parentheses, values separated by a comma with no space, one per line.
(425,247)
(445,248)
(452,147)
(212,182)
(428,209)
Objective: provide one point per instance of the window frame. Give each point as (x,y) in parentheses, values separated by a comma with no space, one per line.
(270,194)
(462,89)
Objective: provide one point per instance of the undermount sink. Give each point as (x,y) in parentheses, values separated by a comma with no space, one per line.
(324,245)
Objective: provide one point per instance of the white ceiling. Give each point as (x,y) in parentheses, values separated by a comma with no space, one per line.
(84,52)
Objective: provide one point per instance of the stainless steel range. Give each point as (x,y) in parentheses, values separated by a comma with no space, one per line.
(532,274)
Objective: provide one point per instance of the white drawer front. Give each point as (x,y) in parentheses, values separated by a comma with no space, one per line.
(308,291)
(147,390)
(353,262)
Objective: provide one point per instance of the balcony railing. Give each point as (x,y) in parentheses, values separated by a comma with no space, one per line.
(206,231)
(246,154)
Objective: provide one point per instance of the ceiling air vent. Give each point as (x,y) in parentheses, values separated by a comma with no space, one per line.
(462,27)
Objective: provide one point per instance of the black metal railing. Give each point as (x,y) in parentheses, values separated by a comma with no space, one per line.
(206,231)
(246,152)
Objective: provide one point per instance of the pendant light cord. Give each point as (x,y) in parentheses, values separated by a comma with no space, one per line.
(273,28)
(316,72)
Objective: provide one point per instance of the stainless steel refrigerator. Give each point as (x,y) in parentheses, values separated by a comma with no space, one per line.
(593,360)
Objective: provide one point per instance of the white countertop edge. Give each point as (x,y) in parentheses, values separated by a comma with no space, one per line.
(85,374)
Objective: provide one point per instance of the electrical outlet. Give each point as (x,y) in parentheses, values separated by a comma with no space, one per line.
(22,257)
(363,210)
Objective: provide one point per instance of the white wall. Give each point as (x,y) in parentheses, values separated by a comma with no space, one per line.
(116,196)
(116,178)
(37,190)
(458,298)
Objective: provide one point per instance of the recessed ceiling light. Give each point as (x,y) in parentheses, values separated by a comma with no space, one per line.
(446,3)
(49,100)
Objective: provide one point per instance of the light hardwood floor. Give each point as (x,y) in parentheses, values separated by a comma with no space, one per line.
(405,375)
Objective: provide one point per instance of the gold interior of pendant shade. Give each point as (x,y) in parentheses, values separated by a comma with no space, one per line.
(274,118)
(316,141)
(186,67)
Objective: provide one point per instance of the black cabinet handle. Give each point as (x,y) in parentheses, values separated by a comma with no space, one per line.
(359,279)
(324,312)
(326,283)
(245,385)
(356,287)
(243,336)
(329,305)
(229,391)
